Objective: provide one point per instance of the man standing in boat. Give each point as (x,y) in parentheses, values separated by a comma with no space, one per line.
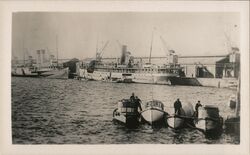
(132,97)
(138,103)
(177,106)
(198,104)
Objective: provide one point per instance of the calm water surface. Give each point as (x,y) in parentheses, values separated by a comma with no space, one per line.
(52,111)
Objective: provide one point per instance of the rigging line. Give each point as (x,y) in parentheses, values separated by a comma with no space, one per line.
(152,88)
(97,47)
(57,49)
(151,46)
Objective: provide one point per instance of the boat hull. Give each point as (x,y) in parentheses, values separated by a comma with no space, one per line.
(184,118)
(175,122)
(52,73)
(26,75)
(210,126)
(209,120)
(56,73)
(152,115)
(23,72)
(130,120)
(145,78)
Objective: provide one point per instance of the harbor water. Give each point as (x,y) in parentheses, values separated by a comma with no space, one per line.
(53,111)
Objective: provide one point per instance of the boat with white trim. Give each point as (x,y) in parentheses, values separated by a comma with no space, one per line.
(153,112)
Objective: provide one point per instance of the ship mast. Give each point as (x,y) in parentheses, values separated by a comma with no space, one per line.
(23,53)
(96,52)
(151,47)
(57,49)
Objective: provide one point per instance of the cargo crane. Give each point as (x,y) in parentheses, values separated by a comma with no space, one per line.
(168,51)
(99,54)
(228,43)
(230,46)
(119,44)
(166,48)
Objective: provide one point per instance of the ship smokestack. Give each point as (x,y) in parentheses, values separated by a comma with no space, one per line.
(30,62)
(38,61)
(43,57)
(123,57)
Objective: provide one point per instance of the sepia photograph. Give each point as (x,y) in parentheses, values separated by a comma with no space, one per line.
(118,78)
(126,77)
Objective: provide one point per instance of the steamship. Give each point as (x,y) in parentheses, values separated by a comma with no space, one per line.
(41,67)
(125,70)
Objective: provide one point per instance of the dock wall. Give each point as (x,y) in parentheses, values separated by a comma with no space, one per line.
(207,82)
(220,83)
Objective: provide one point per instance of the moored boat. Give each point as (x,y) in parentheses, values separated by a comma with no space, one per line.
(52,73)
(176,121)
(126,113)
(209,120)
(24,72)
(153,112)
(182,118)
(55,73)
(128,71)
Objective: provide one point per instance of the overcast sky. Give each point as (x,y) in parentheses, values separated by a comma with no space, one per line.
(78,33)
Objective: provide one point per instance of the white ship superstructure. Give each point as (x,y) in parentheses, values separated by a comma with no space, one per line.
(127,71)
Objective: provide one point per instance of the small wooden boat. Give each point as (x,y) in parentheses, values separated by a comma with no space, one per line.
(153,112)
(181,118)
(126,113)
(209,120)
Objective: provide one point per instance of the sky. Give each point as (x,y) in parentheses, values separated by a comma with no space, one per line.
(79,34)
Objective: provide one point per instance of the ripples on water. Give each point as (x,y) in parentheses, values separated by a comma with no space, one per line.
(52,111)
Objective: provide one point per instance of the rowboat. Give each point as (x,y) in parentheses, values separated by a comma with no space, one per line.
(126,113)
(181,118)
(153,112)
(209,120)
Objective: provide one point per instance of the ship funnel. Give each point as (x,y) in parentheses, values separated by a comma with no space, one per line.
(123,57)
(43,57)
(38,60)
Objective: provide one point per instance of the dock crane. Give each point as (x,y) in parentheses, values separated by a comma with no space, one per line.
(166,48)
(99,54)
(119,44)
(228,42)
(168,51)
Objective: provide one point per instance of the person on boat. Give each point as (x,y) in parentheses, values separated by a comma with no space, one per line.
(138,103)
(198,104)
(132,97)
(177,106)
